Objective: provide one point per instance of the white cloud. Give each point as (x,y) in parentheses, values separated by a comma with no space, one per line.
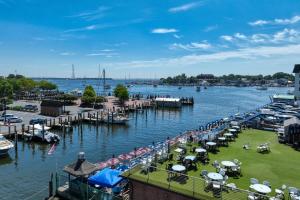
(67,54)
(240,36)
(226,38)
(164,30)
(194,59)
(258,23)
(293,20)
(91,14)
(177,36)
(210,28)
(184,7)
(104,53)
(285,36)
(191,47)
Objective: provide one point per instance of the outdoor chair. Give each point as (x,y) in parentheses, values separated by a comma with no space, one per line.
(170,158)
(236,161)
(216,187)
(253,181)
(267,183)
(231,186)
(293,190)
(251,196)
(204,173)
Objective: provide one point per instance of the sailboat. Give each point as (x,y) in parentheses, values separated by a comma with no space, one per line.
(105,86)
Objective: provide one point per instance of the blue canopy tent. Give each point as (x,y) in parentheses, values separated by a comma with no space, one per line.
(106,178)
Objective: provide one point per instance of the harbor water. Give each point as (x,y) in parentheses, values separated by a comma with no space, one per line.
(25,173)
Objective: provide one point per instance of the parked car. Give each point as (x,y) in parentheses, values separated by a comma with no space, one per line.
(37,121)
(14,120)
(31,107)
(6,117)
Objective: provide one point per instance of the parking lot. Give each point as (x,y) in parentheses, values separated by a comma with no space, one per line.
(27,116)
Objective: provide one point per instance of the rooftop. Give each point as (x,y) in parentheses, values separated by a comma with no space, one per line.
(296,68)
(275,167)
(167,99)
(284,96)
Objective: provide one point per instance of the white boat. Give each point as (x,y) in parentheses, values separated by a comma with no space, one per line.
(5,145)
(76,92)
(115,119)
(42,134)
(263,87)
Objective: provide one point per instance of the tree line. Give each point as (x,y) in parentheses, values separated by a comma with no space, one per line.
(184,79)
(19,84)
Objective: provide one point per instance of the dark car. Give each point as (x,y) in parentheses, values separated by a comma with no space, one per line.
(37,121)
(31,107)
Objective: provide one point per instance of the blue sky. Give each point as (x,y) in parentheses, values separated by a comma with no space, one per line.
(148,39)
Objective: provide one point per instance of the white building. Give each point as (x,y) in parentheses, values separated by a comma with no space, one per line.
(297,81)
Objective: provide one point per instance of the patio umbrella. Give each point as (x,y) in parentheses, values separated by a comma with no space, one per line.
(125,157)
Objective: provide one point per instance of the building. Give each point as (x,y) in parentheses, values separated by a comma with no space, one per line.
(284,98)
(297,81)
(51,108)
(168,102)
(291,132)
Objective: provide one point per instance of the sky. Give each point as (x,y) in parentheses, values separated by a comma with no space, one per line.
(149,38)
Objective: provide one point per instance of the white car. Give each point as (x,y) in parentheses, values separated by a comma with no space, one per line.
(14,120)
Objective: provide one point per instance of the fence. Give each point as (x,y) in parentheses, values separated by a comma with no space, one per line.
(195,187)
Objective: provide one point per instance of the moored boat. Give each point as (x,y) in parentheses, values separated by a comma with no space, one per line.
(5,145)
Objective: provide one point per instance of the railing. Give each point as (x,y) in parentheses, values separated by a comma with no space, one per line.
(195,187)
(83,191)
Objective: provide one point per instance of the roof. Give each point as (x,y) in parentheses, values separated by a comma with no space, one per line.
(283,96)
(51,103)
(80,168)
(167,99)
(296,68)
(106,178)
(293,120)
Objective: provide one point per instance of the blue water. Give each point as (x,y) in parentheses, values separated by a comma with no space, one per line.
(28,170)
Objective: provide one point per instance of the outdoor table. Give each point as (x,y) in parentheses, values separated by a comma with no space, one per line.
(227,163)
(232,130)
(263,189)
(178,150)
(200,150)
(178,168)
(192,158)
(222,138)
(215,176)
(236,127)
(211,143)
(228,134)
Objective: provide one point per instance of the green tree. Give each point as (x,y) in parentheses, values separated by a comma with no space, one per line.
(6,89)
(89,91)
(46,85)
(121,92)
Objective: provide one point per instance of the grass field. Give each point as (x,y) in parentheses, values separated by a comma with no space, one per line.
(280,166)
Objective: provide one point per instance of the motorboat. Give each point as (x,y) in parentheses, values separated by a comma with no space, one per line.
(113,118)
(5,145)
(76,92)
(198,88)
(41,133)
(263,87)
(179,88)
(46,136)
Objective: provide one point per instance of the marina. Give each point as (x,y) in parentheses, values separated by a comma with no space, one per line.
(101,142)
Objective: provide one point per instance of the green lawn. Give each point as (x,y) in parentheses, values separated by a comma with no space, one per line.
(280,166)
